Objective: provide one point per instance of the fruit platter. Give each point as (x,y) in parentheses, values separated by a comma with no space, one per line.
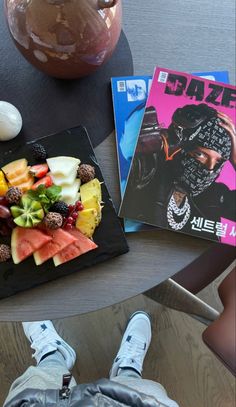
(56,216)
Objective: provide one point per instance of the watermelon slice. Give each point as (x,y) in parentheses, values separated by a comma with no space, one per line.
(81,246)
(60,240)
(24,242)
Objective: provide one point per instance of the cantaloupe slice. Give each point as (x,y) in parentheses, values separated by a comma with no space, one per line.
(25,186)
(20,179)
(15,168)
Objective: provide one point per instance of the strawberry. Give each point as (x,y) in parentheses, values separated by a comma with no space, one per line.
(46,181)
(39,170)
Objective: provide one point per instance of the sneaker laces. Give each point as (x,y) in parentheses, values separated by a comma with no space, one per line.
(133,351)
(42,339)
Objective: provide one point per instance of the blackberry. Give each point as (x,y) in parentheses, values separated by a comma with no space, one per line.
(39,152)
(60,207)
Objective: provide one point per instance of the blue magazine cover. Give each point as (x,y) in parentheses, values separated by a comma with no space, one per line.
(129,99)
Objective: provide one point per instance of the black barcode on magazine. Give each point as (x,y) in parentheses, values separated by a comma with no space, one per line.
(162,76)
(121,86)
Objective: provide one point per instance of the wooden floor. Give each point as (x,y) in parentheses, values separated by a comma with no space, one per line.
(177,357)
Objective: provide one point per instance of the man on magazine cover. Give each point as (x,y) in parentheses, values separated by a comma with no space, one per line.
(176,168)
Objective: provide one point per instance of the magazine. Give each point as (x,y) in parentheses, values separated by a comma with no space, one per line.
(129,99)
(129,96)
(182,176)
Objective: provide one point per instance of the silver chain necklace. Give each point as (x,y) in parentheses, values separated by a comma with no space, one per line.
(173,209)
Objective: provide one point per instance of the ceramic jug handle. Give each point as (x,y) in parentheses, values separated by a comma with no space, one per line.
(107,3)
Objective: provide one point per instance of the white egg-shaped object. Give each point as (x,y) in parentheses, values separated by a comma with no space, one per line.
(10,121)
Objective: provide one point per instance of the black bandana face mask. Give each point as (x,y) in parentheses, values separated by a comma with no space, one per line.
(194,177)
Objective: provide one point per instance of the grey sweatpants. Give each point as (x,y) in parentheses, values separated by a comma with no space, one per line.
(48,375)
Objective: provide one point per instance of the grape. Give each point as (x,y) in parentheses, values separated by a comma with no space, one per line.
(4,229)
(10,223)
(3,201)
(74,215)
(4,212)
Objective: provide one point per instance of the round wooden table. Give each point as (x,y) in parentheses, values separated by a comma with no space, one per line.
(153,257)
(182,37)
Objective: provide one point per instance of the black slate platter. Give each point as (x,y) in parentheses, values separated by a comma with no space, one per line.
(108,236)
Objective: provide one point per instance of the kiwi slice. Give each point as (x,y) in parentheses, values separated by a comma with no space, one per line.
(28,213)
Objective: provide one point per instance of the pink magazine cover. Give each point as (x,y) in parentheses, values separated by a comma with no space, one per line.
(183,175)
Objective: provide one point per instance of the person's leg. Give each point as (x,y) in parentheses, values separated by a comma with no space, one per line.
(128,363)
(54,358)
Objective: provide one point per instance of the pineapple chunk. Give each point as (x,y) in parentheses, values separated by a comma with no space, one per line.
(90,189)
(86,221)
(93,203)
(91,196)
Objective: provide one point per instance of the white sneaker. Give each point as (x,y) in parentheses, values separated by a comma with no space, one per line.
(134,344)
(45,339)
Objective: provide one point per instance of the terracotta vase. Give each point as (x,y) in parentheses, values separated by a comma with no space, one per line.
(65,38)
